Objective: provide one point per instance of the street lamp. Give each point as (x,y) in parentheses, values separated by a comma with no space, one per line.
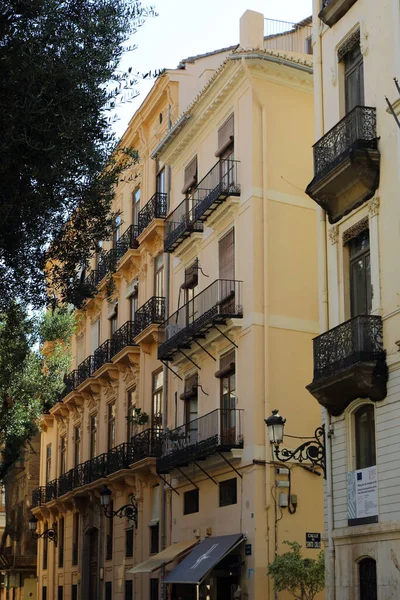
(312,451)
(130,511)
(49,534)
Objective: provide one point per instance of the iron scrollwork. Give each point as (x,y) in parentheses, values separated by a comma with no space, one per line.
(130,511)
(312,451)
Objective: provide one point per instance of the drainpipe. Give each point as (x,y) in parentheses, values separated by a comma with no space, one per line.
(165,399)
(323,296)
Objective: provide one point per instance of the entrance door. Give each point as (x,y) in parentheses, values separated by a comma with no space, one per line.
(93,563)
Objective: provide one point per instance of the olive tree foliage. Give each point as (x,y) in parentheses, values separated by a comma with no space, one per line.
(34,356)
(59,164)
(302,577)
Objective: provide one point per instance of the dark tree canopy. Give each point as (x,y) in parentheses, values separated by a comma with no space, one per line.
(58,64)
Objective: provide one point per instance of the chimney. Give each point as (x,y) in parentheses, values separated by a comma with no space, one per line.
(252,30)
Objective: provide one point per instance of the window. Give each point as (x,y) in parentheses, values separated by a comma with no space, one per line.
(159,276)
(360,275)
(75,538)
(153,589)
(226,252)
(191,409)
(190,176)
(108,590)
(116,231)
(60,592)
(48,463)
(44,592)
(136,206)
(63,455)
(354,77)
(111,426)
(129,589)
(160,182)
(191,502)
(367,579)
(364,425)
(226,139)
(95,335)
(61,536)
(227,492)
(129,542)
(226,374)
(114,320)
(156,409)
(93,436)
(154,538)
(132,397)
(309,47)
(77,446)
(109,535)
(191,288)
(74,592)
(45,548)
(133,303)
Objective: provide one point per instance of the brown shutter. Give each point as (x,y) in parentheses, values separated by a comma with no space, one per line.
(225,136)
(190,387)
(190,175)
(191,276)
(226,365)
(227,256)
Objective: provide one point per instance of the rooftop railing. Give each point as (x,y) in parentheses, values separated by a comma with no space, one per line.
(156,208)
(107,264)
(357,130)
(219,301)
(287,36)
(217,431)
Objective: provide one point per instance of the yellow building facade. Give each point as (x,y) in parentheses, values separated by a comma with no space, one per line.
(214,259)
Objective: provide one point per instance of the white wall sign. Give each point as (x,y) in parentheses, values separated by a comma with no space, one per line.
(362,493)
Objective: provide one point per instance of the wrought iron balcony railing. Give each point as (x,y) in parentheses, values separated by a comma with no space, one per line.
(357,340)
(39,496)
(219,301)
(85,370)
(102,355)
(349,363)
(127,241)
(123,337)
(143,445)
(70,381)
(107,264)
(357,130)
(150,313)
(219,183)
(156,208)
(217,431)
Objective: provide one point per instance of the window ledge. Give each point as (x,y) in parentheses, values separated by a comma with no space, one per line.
(334,10)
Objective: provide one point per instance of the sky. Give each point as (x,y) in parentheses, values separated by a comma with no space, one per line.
(188,27)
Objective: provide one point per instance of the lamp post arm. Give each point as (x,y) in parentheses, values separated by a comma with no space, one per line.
(312,451)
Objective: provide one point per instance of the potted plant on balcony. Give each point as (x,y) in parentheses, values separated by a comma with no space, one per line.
(138,419)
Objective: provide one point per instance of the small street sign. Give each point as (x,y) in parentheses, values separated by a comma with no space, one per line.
(313,540)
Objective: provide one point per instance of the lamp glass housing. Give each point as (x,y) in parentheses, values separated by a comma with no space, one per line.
(105,496)
(32,523)
(275,427)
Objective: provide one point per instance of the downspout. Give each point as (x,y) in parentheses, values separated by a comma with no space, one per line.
(323,296)
(163,515)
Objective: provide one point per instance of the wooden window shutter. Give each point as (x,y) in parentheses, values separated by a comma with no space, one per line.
(226,248)
(225,136)
(190,387)
(226,365)
(191,276)
(190,178)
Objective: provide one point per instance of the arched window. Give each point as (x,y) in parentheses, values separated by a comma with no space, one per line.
(367,579)
(364,423)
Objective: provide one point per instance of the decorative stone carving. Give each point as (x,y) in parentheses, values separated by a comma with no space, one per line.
(373,206)
(333,234)
(364,45)
(355,230)
(334,76)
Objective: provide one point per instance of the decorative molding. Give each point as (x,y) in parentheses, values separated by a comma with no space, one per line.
(373,206)
(333,234)
(352,40)
(364,45)
(334,76)
(355,230)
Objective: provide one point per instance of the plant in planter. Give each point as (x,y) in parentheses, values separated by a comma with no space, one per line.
(138,419)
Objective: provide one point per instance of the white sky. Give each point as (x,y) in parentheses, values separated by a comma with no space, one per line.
(187,27)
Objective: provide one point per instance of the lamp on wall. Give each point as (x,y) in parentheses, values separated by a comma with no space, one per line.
(49,534)
(130,511)
(312,451)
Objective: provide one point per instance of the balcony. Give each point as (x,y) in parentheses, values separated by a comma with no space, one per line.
(346,164)
(107,264)
(219,183)
(102,355)
(147,319)
(349,363)
(333,10)
(70,382)
(218,431)
(146,444)
(156,208)
(220,301)
(85,370)
(123,339)
(127,250)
